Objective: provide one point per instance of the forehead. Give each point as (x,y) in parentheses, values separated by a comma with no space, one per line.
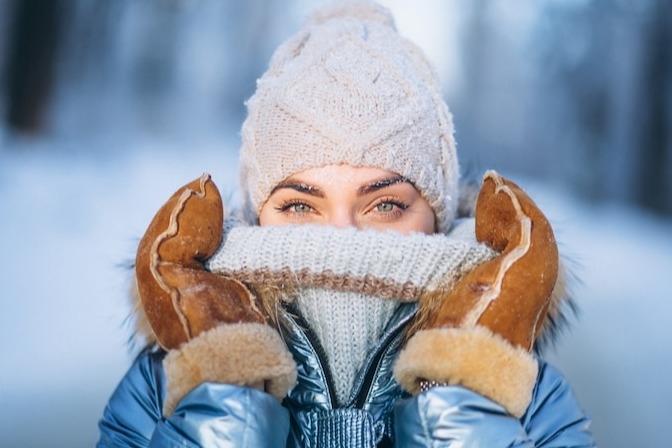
(342,175)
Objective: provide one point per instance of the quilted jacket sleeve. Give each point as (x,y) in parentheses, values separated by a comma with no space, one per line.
(453,416)
(213,415)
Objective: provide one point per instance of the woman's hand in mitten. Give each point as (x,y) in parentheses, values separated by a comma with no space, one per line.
(210,325)
(481,333)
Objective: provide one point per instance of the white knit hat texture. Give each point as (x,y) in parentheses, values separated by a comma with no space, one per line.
(348,89)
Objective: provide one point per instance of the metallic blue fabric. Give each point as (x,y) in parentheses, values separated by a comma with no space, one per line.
(218,415)
(366,418)
(378,412)
(456,417)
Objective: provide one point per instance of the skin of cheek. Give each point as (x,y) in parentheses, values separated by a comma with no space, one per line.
(422,220)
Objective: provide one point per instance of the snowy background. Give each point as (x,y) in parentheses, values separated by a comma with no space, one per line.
(77,197)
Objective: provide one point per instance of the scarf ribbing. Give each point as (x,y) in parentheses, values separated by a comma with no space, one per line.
(346,283)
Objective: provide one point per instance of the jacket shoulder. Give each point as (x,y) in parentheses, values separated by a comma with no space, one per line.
(134,408)
(555,413)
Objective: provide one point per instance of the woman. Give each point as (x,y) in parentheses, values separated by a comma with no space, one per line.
(378,320)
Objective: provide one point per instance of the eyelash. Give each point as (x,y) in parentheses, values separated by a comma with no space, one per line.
(285,207)
(400,206)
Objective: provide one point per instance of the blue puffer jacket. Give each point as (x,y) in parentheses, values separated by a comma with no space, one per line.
(379,413)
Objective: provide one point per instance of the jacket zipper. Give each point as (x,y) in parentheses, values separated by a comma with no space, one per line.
(317,348)
(373,365)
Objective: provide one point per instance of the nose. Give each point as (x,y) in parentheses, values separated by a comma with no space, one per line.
(342,217)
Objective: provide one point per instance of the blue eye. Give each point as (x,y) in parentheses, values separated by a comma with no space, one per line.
(300,208)
(295,207)
(385,207)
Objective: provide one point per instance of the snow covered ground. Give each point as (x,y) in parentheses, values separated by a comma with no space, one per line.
(70,222)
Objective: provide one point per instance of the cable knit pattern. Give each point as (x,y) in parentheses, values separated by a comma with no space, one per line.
(348,88)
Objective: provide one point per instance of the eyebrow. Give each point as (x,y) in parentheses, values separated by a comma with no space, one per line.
(382,183)
(312,190)
(301,187)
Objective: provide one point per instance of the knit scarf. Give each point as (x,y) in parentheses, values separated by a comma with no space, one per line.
(346,283)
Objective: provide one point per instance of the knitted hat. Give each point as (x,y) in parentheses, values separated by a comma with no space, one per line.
(348,89)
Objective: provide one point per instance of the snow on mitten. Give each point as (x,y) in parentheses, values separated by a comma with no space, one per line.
(210,325)
(481,333)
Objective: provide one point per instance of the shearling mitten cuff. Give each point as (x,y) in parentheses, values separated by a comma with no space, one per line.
(475,358)
(480,334)
(241,354)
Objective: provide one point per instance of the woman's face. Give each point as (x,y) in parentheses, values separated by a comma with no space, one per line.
(343,195)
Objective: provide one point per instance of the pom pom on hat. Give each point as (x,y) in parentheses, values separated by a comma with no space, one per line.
(348,89)
(362,10)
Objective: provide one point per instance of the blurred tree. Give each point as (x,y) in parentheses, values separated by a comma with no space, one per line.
(33,41)
(585,100)
(251,39)
(163,67)
(654,176)
(611,64)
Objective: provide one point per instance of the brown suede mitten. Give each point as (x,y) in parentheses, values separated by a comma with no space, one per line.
(481,333)
(210,325)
